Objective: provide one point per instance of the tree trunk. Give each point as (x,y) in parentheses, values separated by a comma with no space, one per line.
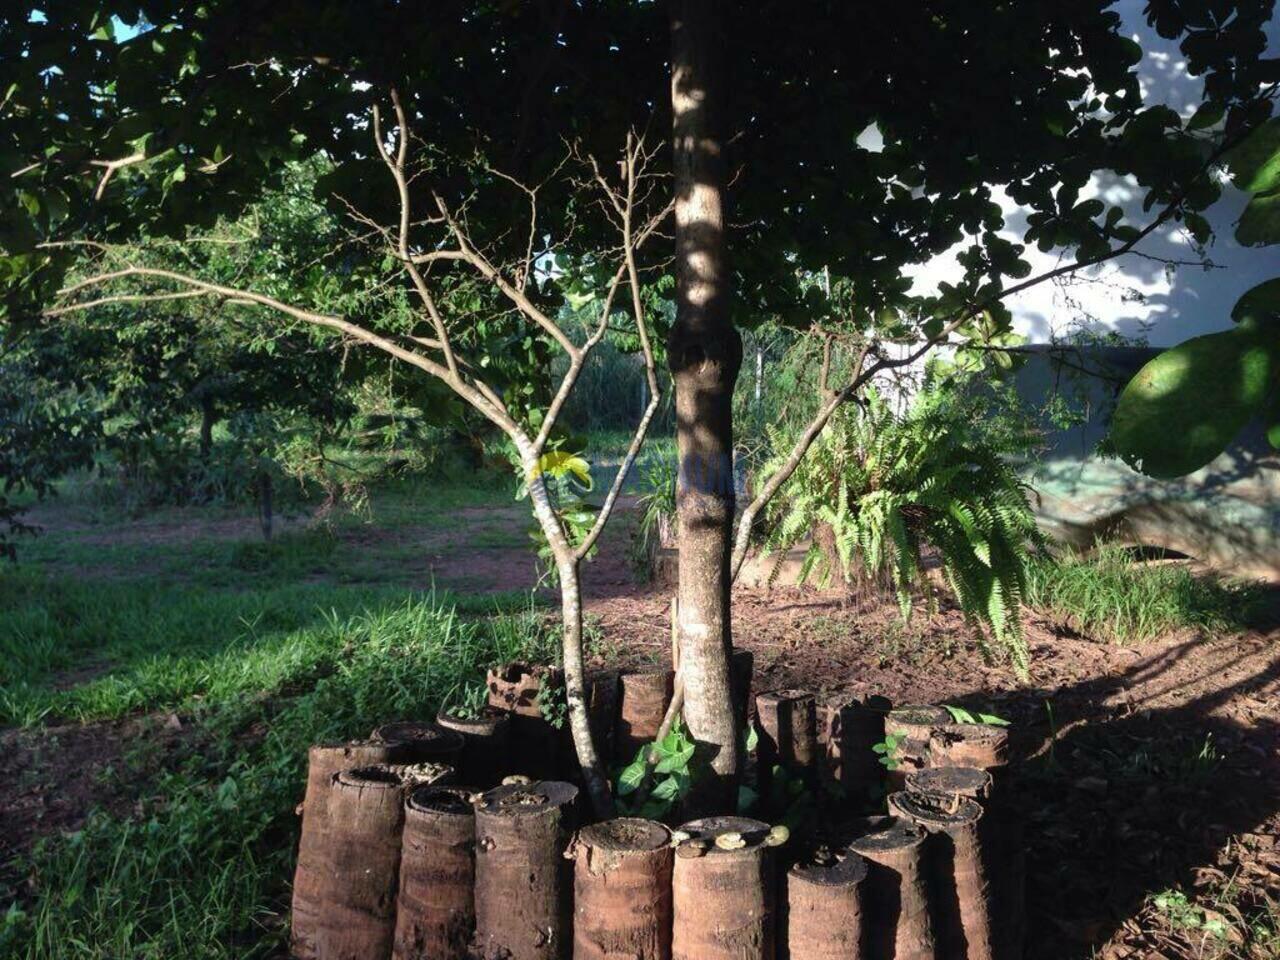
(266,508)
(208,417)
(575,681)
(704,353)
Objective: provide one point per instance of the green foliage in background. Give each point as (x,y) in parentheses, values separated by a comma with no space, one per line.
(197,865)
(887,487)
(1112,596)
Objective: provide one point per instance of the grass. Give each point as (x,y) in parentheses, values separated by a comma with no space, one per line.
(199,868)
(262,649)
(1115,599)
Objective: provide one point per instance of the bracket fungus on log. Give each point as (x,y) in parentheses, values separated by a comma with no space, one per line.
(622,891)
(723,896)
(435,905)
(523,889)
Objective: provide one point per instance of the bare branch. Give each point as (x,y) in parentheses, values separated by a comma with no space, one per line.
(109,168)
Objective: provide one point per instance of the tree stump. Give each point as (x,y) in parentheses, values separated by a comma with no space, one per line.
(788,737)
(645,697)
(851,730)
(622,891)
(723,897)
(435,906)
(424,742)
(897,894)
(916,721)
(522,889)
(357,894)
(969,745)
(325,761)
(824,912)
(962,890)
(520,690)
(486,748)
(604,692)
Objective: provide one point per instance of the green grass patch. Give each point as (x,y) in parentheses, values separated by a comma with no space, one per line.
(200,868)
(1115,598)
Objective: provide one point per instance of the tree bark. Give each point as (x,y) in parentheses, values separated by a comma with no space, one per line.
(622,891)
(704,352)
(523,883)
(435,905)
(897,894)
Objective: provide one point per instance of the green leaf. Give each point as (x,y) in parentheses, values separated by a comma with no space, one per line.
(991,720)
(1259,305)
(667,789)
(675,762)
(1184,407)
(632,776)
(1255,163)
(959,714)
(753,739)
(1206,116)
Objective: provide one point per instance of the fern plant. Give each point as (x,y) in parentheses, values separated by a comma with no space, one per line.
(878,488)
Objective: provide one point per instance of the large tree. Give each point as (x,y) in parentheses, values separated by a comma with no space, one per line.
(824,137)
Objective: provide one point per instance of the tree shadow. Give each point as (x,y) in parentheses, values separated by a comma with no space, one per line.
(1122,807)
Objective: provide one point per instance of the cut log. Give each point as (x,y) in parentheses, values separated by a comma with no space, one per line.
(325,761)
(824,912)
(523,889)
(786,724)
(486,749)
(969,745)
(916,721)
(356,919)
(897,889)
(723,897)
(604,691)
(851,731)
(967,782)
(645,696)
(435,906)
(622,891)
(424,742)
(536,745)
(962,889)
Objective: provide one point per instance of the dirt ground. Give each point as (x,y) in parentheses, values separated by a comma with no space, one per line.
(1139,770)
